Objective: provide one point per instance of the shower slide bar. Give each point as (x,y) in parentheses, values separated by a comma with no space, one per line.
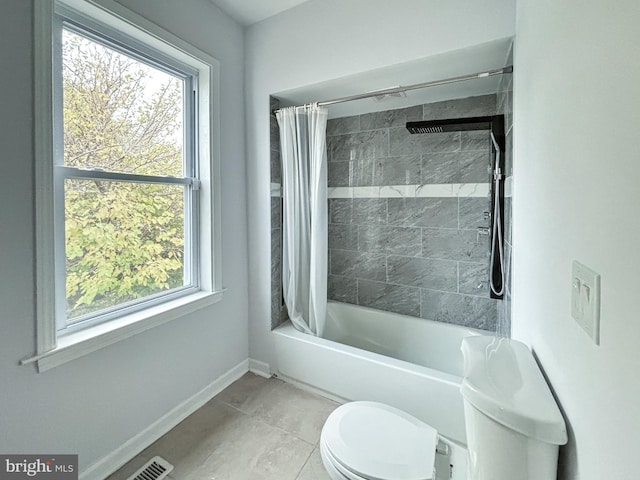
(394,90)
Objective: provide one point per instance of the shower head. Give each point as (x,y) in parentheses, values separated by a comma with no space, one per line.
(451,125)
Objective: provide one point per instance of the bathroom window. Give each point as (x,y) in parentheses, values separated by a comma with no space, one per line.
(127,176)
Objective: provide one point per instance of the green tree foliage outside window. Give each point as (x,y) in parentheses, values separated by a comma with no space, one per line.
(123,240)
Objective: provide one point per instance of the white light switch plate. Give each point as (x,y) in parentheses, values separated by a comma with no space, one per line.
(585,299)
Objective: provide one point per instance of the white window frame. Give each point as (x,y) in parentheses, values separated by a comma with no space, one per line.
(54,348)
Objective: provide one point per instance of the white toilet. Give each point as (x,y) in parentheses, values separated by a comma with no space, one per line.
(513,425)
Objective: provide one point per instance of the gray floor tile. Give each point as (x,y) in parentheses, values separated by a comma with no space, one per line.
(255,429)
(293,410)
(313,469)
(253,450)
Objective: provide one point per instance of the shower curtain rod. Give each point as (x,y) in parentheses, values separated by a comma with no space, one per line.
(391,91)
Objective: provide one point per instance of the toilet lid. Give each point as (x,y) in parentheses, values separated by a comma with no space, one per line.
(380,442)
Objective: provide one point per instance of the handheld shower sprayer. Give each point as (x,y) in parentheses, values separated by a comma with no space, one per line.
(497,236)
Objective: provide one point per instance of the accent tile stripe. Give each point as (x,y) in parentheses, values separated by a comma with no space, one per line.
(412,191)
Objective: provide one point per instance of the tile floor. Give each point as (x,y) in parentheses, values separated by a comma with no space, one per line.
(256,429)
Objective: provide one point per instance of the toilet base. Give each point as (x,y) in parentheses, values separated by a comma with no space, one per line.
(447,467)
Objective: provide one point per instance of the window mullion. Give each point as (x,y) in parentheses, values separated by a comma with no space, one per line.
(192,195)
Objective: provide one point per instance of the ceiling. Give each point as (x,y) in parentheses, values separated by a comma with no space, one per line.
(247,12)
(478,58)
(471,60)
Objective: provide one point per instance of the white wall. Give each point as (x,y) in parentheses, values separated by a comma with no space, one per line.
(94,404)
(323,40)
(577,165)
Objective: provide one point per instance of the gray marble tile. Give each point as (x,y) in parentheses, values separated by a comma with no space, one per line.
(343,236)
(508,117)
(475,140)
(390,240)
(401,142)
(508,268)
(390,298)
(460,245)
(370,211)
(274,131)
(367,172)
(473,279)
(508,156)
(508,220)
(353,146)
(347,263)
(341,126)
(473,167)
(460,108)
(423,212)
(402,170)
(340,210)
(505,87)
(276,310)
(276,276)
(504,305)
(503,328)
(439,167)
(276,166)
(423,273)
(276,212)
(274,134)
(342,289)
(472,212)
(467,310)
(276,248)
(390,118)
(458,167)
(274,102)
(339,174)
(505,98)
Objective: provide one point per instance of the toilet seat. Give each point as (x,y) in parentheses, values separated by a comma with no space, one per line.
(335,469)
(374,441)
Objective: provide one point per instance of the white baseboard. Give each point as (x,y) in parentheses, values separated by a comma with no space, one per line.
(117,458)
(259,368)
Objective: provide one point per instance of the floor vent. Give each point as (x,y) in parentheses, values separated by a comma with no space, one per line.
(155,469)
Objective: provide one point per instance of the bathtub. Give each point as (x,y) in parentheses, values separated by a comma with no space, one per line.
(366,354)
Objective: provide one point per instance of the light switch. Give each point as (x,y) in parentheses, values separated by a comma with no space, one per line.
(585,299)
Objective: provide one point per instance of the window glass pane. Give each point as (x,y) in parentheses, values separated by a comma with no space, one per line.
(123,241)
(120,114)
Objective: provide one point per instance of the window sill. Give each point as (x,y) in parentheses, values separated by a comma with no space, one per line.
(78,344)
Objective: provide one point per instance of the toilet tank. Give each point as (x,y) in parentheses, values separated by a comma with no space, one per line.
(514,426)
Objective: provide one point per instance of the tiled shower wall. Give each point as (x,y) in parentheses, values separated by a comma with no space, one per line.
(278,310)
(405,211)
(404,215)
(505,107)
